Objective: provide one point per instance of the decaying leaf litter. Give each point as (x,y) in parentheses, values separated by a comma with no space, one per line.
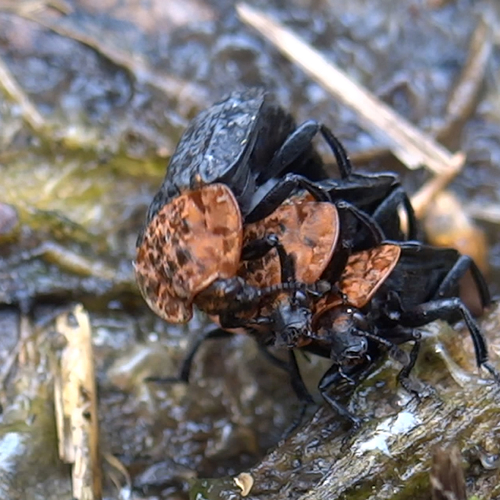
(80,182)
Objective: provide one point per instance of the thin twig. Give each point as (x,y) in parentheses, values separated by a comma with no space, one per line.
(421,199)
(76,405)
(14,92)
(410,145)
(20,7)
(463,99)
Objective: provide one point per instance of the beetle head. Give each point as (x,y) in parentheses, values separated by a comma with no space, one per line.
(290,319)
(342,330)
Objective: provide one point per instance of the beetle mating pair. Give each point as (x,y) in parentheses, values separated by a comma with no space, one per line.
(248,227)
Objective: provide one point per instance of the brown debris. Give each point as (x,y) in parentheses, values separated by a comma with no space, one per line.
(447,225)
(191,242)
(118,474)
(244,481)
(424,196)
(447,475)
(76,405)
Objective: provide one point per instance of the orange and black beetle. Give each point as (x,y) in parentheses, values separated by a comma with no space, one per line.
(235,164)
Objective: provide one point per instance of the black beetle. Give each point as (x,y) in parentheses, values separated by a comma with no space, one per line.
(312,243)
(237,160)
(388,292)
(191,240)
(242,142)
(382,296)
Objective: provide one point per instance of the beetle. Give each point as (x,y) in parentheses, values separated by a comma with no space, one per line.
(382,296)
(229,156)
(216,162)
(312,241)
(388,292)
(379,197)
(234,142)
(309,245)
(188,250)
(289,316)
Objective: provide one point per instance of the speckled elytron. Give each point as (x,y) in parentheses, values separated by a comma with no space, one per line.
(307,230)
(191,242)
(363,275)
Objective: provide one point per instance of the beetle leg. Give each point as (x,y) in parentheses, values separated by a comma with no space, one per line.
(448,309)
(368,222)
(298,142)
(257,249)
(338,150)
(298,386)
(228,320)
(280,191)
(297,382)
(292,368)
(231,298)
(379,340)
(317,290)
(187,363)
(452,279)
(400,355)
(301,392)
(404,375)
(329,379)
(388,207)
(345,377)
(450,282)
(295,144)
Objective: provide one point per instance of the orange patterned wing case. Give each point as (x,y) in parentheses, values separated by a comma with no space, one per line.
(307,229)
(366,271)
(363,275)
(191,242)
